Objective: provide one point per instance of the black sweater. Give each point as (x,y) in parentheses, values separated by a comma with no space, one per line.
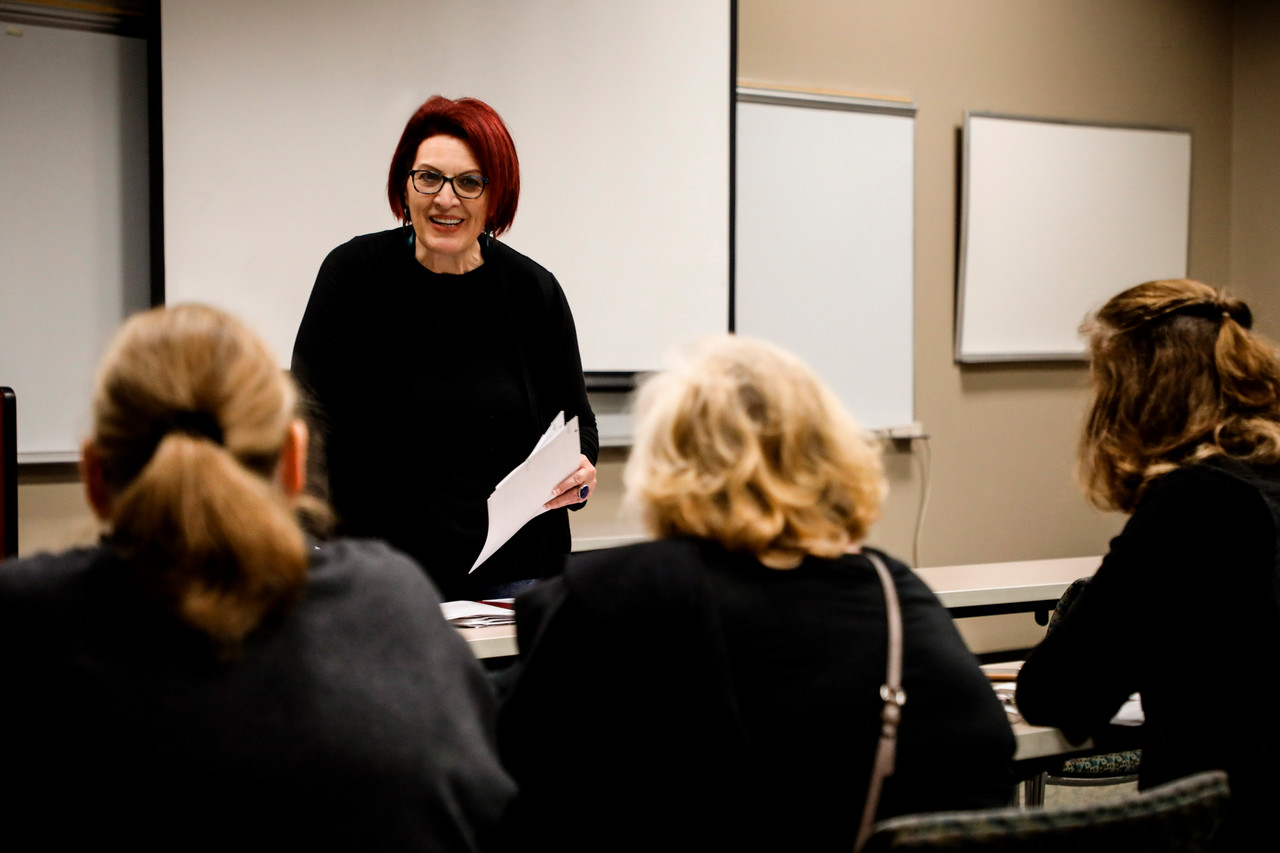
(1183,610)
(677,696)
(430,389)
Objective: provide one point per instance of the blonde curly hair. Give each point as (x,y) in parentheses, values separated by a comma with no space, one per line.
(742,444)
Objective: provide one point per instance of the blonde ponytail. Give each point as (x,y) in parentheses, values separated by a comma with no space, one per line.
(191,414)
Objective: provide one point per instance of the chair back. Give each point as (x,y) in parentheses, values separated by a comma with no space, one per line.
(1064,603)
(8,473)
(1178,817)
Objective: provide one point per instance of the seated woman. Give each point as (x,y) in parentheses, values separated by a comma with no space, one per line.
(1184,435)
(206,678)
(719,688)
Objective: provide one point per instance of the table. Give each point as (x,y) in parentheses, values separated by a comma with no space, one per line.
(1022,586)
(494,641)
(980,589)
(1037,742)
(1033,742)
(1041,748)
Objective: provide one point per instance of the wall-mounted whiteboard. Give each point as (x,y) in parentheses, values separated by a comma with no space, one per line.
(74,224)
(280,119)
(1057,218)
(824,248)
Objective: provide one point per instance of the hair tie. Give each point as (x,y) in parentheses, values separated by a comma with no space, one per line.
(198,424)
(1217,312)
(1241,314)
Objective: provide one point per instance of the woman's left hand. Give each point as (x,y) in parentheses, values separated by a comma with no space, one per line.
(575,488)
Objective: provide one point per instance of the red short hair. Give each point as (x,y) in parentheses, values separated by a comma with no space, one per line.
(477,124)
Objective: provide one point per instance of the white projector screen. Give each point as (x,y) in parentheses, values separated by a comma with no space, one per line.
(73,220)
(620,113)
(1058,217)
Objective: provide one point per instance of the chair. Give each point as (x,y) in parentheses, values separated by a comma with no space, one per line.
(8,473)
(1180,817)
(1112,768)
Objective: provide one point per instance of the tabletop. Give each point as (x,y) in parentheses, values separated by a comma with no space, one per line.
(972,590)
(1020,586)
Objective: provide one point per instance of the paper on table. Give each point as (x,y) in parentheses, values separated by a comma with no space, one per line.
(521,494)
(461,609)
(476,614)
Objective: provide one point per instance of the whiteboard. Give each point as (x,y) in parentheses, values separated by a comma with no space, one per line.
(74,222)
(1058,217)
(824,247)
(620,114)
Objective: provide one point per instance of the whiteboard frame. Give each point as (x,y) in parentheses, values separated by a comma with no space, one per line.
(965,355)
(823,101)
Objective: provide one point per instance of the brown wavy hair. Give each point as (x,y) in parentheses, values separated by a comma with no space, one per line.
(1177,377)
(190,417)
(742,444)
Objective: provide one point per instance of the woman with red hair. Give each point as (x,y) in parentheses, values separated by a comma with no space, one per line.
(432,330)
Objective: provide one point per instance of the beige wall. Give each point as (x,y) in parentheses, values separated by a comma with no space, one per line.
(52,512)
(1002,436)
(1255,153)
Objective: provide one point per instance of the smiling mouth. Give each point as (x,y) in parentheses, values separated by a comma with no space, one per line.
(446,222)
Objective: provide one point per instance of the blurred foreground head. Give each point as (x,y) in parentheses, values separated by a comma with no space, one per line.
(194,462)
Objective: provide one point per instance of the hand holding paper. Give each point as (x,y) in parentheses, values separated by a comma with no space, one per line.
(575,488)
(522,494)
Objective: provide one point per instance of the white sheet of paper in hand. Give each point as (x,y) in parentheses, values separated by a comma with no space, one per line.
(521,494)
(557,424)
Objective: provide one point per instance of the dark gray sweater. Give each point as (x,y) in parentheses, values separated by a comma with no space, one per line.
(360,720)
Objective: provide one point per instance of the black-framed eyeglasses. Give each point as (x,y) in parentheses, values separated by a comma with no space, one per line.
(430,182)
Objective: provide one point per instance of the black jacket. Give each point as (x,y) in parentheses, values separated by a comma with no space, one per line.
(1184,611)
(677,696)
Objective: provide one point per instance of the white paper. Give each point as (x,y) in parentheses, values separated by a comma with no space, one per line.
(521,495)
(1130,713)
(462,609)
(476,614)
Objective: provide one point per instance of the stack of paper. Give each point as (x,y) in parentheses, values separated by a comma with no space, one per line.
(476,614)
